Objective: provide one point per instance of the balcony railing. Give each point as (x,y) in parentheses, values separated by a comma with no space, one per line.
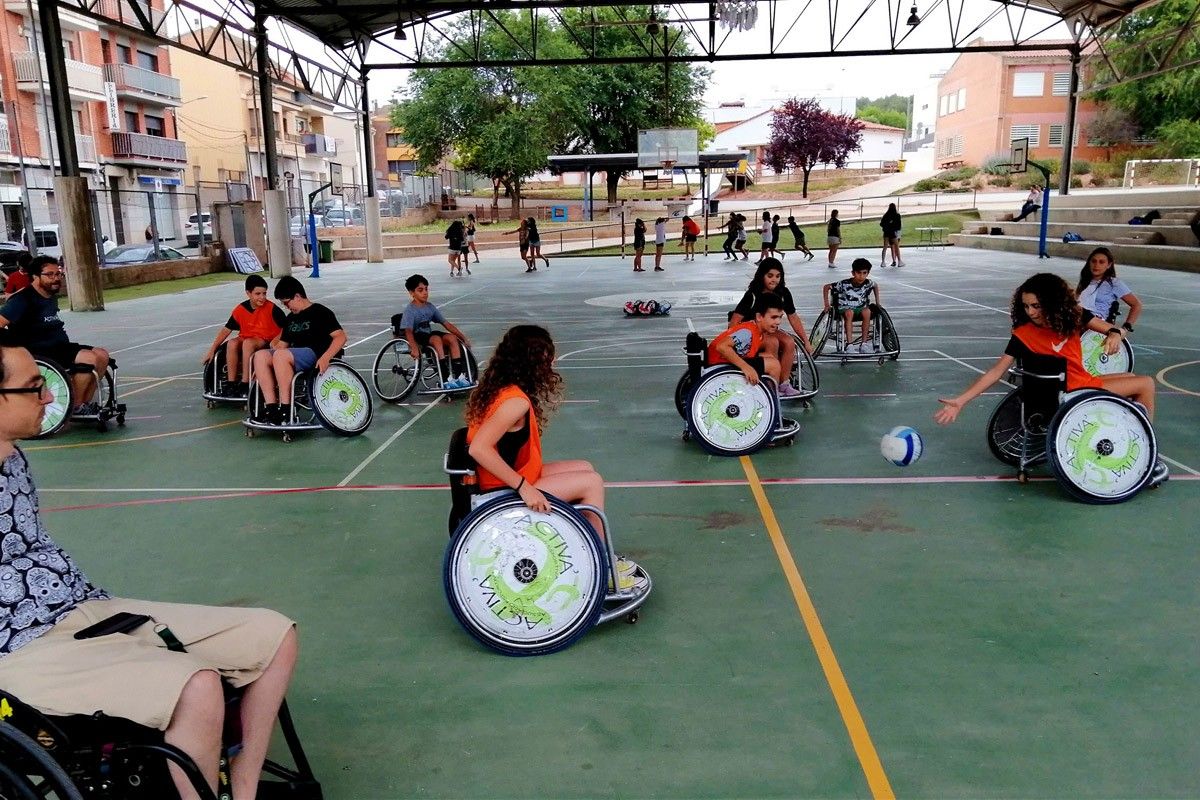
(316,144)
(129,78)
(150,148)
(81,77)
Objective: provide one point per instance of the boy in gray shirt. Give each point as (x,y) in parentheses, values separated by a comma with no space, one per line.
(415,325)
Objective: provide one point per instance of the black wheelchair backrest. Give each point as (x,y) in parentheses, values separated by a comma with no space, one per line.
(396,329)
(697,353)
(1042,380)
(460,467)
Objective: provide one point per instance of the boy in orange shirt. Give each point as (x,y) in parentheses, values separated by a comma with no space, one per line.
(251,327)
(740,345)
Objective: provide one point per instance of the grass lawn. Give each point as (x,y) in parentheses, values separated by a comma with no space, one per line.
(440,226)
(171,287)
(854,234)
(599,192)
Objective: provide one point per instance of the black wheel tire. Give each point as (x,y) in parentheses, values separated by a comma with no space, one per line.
(682,389)
(352,376)
(1056,467)
(888,336)
(632,618)
(28,766)
(818,334)
(393,386)
(772,408)
(1005,431)
(805,376)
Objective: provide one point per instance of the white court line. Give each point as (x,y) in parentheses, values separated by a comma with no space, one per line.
(132,392)
(610,345)
(1181,465)
(366,461)
(952,297)
(972,368)
(165,338)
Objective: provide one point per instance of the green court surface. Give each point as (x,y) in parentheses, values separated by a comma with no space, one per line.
(822,623)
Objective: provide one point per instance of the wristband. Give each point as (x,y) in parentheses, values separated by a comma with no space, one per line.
(519,485)
(1111,331)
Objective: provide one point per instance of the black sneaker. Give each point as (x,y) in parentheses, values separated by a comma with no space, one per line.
(283,413)
(266,414)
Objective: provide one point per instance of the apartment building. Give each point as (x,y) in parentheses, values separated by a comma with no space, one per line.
(123,96)
(220,119)
(393,156)
(985,100)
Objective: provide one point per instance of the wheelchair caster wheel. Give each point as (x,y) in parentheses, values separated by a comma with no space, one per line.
(287,438)
(881,359)
(687,436)
(845,361)
(210,403)
(249,433)
(632,618)
(120,420)
(1022,477)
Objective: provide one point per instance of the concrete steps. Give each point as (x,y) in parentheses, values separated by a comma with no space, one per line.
(1185,259)
(1178,235)
(1116,215)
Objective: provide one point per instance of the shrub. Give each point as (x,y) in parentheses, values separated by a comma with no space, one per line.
(1169,173)
(1000,180)
(979,183)
(996,164)
(1080,167)
(1076,182)
(957,190)
(1103,169)
(1101,181)
(1029,180)
(1052,164)
(931,185)
(959,174)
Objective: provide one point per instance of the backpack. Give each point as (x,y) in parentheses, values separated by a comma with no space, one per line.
(1070,236)
(1138,221)
(996,232)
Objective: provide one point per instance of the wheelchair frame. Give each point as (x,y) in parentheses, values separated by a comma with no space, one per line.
(423,370)
(109,757)
(306,414)
(1024,426)
(214,381)
(615,602)
(58,413)
(885,341)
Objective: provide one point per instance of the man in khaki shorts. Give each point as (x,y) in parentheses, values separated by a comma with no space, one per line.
(45,600)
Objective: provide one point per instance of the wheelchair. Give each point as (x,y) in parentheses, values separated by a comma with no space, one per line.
(98,756)
(337,400)
(58,382)
(217,389)
(885,342)
(397,372)
(727,415)
(524,583)
(1100,446)
(1097,362)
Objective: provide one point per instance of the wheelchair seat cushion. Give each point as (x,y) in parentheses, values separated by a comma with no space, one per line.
(133,676)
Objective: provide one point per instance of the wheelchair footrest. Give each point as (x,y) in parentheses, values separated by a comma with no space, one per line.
(787,429)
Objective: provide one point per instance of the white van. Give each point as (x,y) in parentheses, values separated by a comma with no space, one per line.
(47,239)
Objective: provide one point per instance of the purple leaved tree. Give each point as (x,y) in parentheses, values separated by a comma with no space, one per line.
(803,135)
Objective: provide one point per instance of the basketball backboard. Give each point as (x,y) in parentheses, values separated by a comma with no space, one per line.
(335,179)
(668,148)
(1018,160)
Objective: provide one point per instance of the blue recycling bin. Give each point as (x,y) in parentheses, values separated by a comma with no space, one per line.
(558,213)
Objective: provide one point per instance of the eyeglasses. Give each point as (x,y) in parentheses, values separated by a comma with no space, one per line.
(52,274)
(38,387)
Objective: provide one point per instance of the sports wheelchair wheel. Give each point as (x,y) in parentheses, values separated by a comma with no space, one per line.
(58,411)
(1097,362)
(524,583)
(682,389)
(395,371)
(804,376)
(728,415)
(888,338)
(1101,447)
(28,772)
(820,331)
(340,399)
(1013,439)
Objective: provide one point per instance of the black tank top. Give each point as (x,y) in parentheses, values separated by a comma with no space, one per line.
(509,445)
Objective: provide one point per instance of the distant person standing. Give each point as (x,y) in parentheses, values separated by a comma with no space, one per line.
(522,232)
(731,228)
(639,244)
(890,223)
(764,231)
(740,244)
(535,244)
(798,235)
(833,236)
(775,237)
(690,233)
(454,243)
(471,239)
(660,241)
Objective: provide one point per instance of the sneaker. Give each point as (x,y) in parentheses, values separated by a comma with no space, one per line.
(451,384)
(883,264)
(787,390)
(833,266)
(781,255)
(659,269)
(461,382)
(893,264)
(469,269)
(628,576)
(862,347)
(283,413)
(898,264)
(811,256)
(86,410)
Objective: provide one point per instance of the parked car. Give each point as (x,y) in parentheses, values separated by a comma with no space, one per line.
(343,217)
(139,254)
(47,240)
(299,225)
(192,229)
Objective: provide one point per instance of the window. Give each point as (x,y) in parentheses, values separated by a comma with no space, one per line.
(147,60)
(131,122)
(962,98)
(942,103)
(124,54)
(951,103)
(1061,85)
(1028,84)
(1056,136)
(1031,132)
(395,140)
(155,126)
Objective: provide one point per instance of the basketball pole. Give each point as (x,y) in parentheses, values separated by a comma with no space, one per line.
(1045,221)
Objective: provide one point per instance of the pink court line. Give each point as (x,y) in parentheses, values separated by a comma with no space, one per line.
(916,480)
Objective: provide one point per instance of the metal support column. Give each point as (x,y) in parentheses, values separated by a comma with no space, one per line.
(60,99)
(371,219)
(1064,175)
(266,102)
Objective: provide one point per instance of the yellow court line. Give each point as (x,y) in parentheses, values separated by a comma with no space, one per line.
(872,767)
(132,438)
(1159,377)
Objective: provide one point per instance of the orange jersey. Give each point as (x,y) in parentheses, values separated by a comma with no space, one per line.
(1046,342)
(747,339)
(691,227)
(264,323)
(528,458)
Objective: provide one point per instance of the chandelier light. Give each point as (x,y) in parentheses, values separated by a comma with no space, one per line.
(737,14)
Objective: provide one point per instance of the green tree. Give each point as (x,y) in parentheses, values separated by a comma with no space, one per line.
(1140,38)
(872,108)
(1112,127)
(883,116)
(1179,139)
